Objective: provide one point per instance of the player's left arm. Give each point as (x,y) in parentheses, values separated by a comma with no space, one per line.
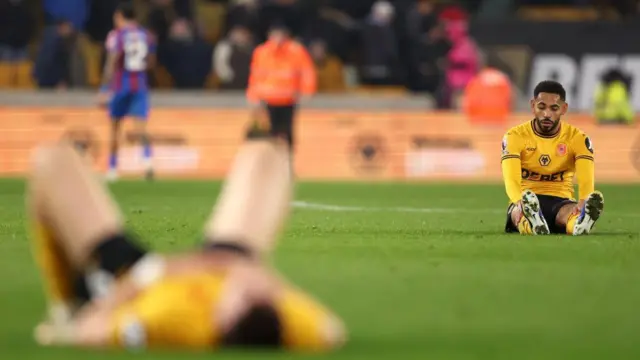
(93,325)
(585,166)
(95,328)
(91,329)
(114,50)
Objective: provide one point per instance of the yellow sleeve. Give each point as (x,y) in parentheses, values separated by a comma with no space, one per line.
(303,322)
(512,147)
(585,167)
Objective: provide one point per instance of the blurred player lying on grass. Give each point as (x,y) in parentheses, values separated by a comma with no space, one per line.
(539,161)
(106,290)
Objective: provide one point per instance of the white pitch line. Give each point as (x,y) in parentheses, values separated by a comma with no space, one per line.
(402,209)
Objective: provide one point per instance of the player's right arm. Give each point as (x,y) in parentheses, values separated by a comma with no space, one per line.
(585,167)
(512,146)
(307,324)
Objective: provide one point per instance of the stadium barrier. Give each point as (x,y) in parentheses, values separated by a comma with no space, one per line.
(331,144)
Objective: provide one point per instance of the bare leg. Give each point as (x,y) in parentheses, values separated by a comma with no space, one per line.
(516,214)
(255,198)
(145,142)
(565,213)
(113,149)
(520,221)
(69,201)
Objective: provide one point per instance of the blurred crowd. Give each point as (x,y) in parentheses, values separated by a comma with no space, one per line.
(414,45)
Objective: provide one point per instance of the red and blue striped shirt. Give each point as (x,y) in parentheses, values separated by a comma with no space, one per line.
(132,46)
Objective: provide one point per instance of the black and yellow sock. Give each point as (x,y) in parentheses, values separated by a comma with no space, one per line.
(571,222)
(116,254)
(524,226)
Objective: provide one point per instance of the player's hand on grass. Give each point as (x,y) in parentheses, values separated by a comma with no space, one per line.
(44,333)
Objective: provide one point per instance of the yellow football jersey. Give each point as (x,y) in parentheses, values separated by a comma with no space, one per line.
(548,163)
(179,312)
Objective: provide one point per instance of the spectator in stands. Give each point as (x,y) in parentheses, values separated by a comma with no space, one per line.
(243,13)
(463,61)
(336,28)
(75,12)
(612,99)
(59,63)
(163,13)
(355,9)
(426,47)
(328,67)
(16,30)
(100,19)
(186,56)
(287,12)
(422,20)
(380,63)
(232,58)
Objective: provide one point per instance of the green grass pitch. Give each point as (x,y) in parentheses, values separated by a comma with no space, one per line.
(417,271)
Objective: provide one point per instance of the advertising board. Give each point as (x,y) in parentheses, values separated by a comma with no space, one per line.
(330,145)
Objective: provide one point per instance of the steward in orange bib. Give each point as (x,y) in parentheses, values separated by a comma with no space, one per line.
(281,72)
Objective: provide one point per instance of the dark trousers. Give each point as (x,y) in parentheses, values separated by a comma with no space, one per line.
(281,122)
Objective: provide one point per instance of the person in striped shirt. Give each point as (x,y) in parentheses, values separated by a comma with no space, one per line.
(125,89)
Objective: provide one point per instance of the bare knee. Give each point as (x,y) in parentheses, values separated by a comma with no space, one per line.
(47,162)
(46,157)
